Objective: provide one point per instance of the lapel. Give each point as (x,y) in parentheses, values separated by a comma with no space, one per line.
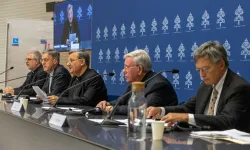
(203,99)
(224,91)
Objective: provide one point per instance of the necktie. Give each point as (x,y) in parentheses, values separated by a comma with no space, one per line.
(212,102)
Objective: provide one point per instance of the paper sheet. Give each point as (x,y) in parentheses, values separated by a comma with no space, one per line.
(43,96)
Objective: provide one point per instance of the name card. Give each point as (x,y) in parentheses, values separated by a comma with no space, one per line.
(58,120)
(17,107)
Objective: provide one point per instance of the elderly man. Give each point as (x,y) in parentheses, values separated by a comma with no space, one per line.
(59,76)
(137,68)
(222,101)
(88,93)
(33,62)
(70,27)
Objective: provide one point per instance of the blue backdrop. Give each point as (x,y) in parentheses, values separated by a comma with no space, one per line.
(170,31)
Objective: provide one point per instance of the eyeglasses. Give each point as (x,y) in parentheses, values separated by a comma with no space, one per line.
(72,60)
(45,60)
(29,59)
(204,69)
(128,68)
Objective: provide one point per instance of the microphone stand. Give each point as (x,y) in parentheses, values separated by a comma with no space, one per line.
(108,121)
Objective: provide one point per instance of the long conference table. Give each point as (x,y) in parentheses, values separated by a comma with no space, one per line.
(31,130)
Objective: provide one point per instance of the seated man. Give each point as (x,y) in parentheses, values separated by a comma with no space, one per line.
(222,101)
(60,75)
(137,68)
(33,62)
(89,93)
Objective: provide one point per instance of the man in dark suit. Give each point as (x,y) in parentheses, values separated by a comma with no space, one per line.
(88,93)
(222,101)
(137,68)
(59,76)
(33,62)
(70,27)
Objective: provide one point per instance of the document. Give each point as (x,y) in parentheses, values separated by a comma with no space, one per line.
(43,96)
(232,135)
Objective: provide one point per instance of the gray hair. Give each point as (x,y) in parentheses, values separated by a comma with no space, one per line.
(70,6)
(82,54)
(54,54)
(35,55)
(141,58)
(213,50)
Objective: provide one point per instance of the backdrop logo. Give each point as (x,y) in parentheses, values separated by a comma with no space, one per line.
(114,32)
(239,17)
(113,79)
(146,49)
(108,53)
(105,33)
(90,11)
(188,81)
(169,53)
(55,18)
(121,77)
(181,53)
(117,57)
(79,13)
(62,17)
(193,48)
(142,26)
(176,81)
(132,31)
(157,55)
(221,18)
(205,21)
(100,56)
(165,25)
(98,34)
(123,32)
(190,24)
(154,27)
(245,52)
(105,76)
(125,51)
(164,75)
(177,25)
(227,46)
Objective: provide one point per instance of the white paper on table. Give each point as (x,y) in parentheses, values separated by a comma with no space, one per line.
(43,96)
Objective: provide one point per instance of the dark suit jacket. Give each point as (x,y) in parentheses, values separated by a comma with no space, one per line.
(60,81)
(233,109)
(89,93)
(66,30)
(158,92)
(38,74)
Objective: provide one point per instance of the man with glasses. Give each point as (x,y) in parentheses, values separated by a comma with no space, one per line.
(88,93)
(222,101)
(137,68)
(33,62)
(59,76)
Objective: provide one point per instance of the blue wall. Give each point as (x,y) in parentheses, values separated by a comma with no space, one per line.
(108,50)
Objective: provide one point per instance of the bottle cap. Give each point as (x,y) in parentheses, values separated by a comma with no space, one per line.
(138,86)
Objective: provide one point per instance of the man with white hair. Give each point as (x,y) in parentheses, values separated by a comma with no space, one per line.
(33,62)
(137,68)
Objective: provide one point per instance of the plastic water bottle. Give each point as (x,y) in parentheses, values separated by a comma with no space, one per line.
(137,108)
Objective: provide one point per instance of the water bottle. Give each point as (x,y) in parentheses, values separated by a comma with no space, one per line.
(137,108)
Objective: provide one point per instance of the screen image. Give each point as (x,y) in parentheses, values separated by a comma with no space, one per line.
(72,25)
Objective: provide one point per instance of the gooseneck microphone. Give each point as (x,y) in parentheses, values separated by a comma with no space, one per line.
(18,95)
(13,79)
(53,108)
(109,121)
(7,70)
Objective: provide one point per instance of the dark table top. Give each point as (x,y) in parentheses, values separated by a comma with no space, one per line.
(114,138)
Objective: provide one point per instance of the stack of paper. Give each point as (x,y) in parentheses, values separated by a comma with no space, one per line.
(229,135)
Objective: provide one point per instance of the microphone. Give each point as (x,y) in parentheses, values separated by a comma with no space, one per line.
(13,79)
(109,121)
(53,108)
(7,70)
(18,95)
